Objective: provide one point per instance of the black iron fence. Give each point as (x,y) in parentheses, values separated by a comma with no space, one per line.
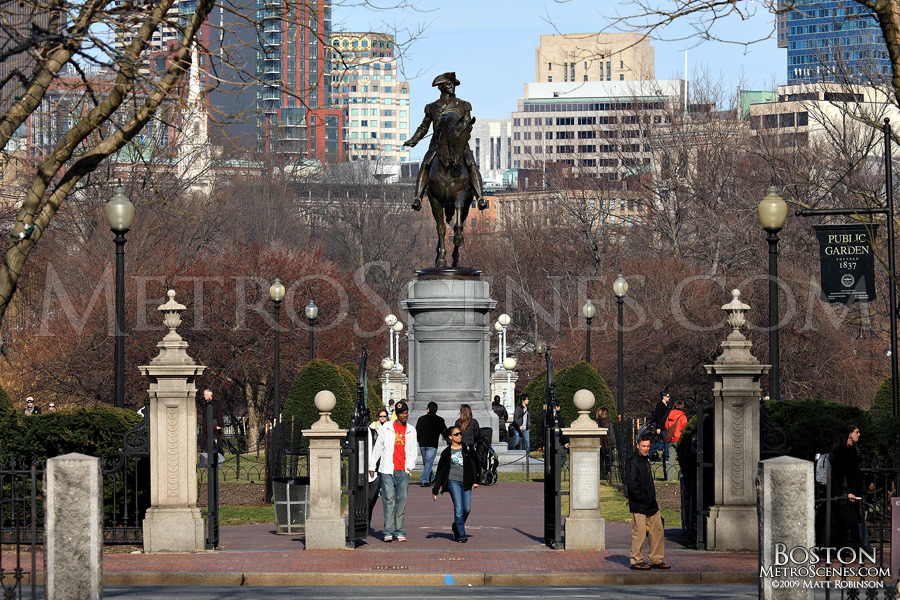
(21,524)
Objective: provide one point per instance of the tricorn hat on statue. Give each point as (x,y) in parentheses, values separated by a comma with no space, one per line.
(445,78)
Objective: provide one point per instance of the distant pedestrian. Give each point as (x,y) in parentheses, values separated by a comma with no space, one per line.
(51,407)
(848,484)
(429,427)
(645,517)
(468,425)
(458,471)
(658,422)
(30,407)
(375,477)
(502,417)
(393,415)
(678,420)
(394,455)
(521,426)
(607,441)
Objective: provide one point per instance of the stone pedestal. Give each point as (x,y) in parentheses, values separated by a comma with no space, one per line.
(394,387)
(73,524)
(325,527)
(786,517)
(585,526)
(173,522)
(449,344)
(731,525)
(505,388)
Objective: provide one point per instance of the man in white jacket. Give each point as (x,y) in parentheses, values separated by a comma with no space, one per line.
(396,448)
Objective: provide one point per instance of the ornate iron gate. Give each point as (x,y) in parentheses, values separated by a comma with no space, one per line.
(126,483)
(21,519)
(358,460)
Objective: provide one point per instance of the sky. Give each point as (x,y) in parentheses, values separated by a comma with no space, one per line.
(490,44)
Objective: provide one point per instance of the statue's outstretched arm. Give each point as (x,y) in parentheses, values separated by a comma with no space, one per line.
(421,131)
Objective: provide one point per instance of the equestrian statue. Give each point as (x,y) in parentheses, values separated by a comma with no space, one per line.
(448,172)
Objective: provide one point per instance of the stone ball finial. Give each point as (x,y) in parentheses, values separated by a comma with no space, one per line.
(584,400)
(325,401)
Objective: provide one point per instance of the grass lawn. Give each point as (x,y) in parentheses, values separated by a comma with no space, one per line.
(246,515)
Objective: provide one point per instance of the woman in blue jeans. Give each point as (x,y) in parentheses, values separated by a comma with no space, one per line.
(457,472)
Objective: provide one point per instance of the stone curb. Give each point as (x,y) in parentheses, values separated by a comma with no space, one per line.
(395,578)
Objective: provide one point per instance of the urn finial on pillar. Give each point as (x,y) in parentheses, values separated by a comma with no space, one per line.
(736,310)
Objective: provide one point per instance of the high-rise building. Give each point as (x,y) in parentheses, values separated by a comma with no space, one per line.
(375,103)
(491,145)
(126,29)
(832,41)
(594,57)
(23,28)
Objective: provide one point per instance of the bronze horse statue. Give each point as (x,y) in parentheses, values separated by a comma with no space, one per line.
(449,189)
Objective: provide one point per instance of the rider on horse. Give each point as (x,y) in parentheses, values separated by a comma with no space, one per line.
(447,103)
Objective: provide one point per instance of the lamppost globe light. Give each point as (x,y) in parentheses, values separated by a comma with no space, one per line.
(398,327)
(312,311)
(509,363)
(498,326)
(504,320)
(398,367)
(540,347)
(589,310)
(772,209)
(390,320)
(620,286)
(119,211)
(387,364)
(498,367)
(276,291)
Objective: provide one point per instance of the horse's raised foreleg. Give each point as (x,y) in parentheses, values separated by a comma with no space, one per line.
(440,259)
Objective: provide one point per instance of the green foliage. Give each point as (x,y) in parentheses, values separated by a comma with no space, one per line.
(810,425)
(7,409)
(91,431)
(580,376)
(373,398)
(883,404)
(314,377)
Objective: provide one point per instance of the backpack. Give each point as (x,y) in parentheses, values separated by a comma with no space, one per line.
(823,469)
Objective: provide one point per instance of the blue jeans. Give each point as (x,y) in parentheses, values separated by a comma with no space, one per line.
(526,439)
(462,506)
(428,455)
(513,443)
(661,445)
(394,488)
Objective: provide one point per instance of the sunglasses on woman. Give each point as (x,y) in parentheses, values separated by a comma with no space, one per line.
(455,433)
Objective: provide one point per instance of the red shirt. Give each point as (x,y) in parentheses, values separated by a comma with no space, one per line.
(399,446)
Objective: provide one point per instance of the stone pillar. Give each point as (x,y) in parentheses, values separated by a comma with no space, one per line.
(325,527)
(173,522)
(499,386)
(399,386)
(731,525)
(449,344)
(73,526)
(585,527)
(785,499)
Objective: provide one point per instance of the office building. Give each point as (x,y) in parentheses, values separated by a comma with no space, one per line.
(373,101)
(491,144)
(594,57)
(832,41)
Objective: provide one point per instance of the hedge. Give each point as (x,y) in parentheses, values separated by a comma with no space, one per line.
(580,376)
(373,398)
(91,431)
(315,376)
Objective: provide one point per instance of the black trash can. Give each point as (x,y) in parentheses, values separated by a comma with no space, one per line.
(290,496)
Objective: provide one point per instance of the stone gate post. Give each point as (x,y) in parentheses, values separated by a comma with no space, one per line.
(325,527)
(732,524)
(585,526)
(173,522)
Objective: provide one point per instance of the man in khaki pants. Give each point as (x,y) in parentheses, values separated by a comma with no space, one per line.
(645,517)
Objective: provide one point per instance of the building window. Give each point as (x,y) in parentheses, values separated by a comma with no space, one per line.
(549,79)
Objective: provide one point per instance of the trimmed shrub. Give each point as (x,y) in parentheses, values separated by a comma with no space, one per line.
(883,404)
(810,425)
(373,398)
(314,377)
(91,431)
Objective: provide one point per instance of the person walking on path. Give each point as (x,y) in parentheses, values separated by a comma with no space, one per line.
(396,449)
(375,478)
(429,427)
(468,425)
(849,483)
(645,517)
(522,425)
(502,417)
(607,441)
(678,419)
(660,414)
(458,471)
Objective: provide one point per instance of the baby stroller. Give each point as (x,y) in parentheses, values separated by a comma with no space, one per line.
(487,456)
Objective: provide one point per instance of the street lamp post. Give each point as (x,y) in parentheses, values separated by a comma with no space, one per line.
(500,326)
(620,288)
(276,293)
(312,311)
(772,214)
(588,310)
(119,215)
(387,364)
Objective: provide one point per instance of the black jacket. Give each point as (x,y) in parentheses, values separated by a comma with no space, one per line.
(501,413)
(660,414)
(846,475)
(429,427)
(469,435)
(519,417)
(471,470)
(639,484)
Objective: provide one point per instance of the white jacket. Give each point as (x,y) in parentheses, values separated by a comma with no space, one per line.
(384,449)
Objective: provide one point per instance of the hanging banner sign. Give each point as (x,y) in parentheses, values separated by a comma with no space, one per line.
(847,256)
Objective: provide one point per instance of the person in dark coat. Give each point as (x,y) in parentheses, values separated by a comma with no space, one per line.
(502,416)
(658,424)
(458,472)
(430,427)
(645,517)
(848,483)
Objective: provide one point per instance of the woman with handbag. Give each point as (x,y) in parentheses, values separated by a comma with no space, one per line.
(458,471)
